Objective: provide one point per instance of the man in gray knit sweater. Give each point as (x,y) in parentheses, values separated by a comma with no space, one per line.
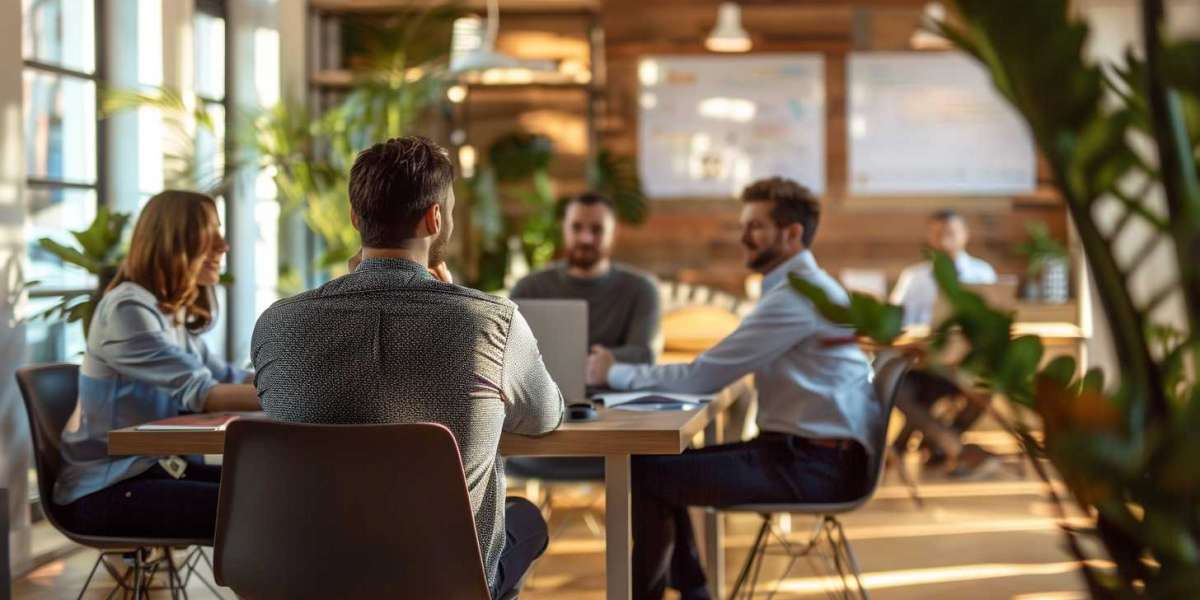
(623,306)
(396,341)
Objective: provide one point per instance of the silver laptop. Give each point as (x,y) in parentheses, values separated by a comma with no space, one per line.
(561,329)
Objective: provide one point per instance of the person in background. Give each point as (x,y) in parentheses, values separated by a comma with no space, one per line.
(817,415)
(916,291)
(145,361)
(395,341)
(623,303)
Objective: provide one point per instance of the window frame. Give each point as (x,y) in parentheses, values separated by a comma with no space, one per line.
(97,76)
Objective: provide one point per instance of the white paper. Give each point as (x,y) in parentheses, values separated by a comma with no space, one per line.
(611,399)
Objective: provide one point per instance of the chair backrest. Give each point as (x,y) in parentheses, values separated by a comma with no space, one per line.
(891,380)
(345,511)
(50,393)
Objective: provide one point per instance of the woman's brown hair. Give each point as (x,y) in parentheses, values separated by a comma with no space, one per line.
(171,241)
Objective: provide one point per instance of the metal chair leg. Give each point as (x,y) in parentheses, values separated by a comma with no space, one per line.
(138,590)
(852,559)
(762,555)
(754,549)
(88,582)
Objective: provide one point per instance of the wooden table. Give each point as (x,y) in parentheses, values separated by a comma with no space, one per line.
(616,435)
(1058,339)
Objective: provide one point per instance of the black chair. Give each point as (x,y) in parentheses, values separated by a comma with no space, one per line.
(346,511)
(50,393)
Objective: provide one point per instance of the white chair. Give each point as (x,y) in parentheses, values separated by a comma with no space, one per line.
(890,371)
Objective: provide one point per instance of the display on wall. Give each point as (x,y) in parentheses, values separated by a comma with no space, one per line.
(932,124)
(710,125)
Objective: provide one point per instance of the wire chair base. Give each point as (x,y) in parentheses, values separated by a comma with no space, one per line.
(827,534)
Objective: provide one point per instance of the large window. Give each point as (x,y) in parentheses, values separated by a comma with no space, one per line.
(61,138)
(208,54)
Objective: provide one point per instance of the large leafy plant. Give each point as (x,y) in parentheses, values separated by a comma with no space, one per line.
(1120,138)
(99,252)
(185,121)
(399,75)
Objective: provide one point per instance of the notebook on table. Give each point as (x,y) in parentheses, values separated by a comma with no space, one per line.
(197,422)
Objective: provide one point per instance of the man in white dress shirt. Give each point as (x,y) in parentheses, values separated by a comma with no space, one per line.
(817,412)
(916,289)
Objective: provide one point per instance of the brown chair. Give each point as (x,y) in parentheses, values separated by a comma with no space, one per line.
(50,393)
(346,511)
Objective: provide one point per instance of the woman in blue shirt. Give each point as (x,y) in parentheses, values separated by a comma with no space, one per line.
(145,361)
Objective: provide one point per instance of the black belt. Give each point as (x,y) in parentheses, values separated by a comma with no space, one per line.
(827,443)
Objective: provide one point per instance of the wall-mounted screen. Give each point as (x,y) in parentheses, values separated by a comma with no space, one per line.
(933,124)
(709,125)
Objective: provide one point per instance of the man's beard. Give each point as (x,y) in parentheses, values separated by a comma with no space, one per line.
(583,257)
(437,248)
(762,260)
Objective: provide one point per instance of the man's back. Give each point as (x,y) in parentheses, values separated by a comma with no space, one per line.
(390,344)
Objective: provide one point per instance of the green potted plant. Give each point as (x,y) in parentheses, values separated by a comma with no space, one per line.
(1125,443)
(1046,266)
(99,252)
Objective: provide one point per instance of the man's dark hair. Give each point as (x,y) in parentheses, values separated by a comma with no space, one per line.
(945,215)
(586,199)
(793,203)
(393,183)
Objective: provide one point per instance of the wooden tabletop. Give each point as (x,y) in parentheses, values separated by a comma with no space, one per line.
(614,432)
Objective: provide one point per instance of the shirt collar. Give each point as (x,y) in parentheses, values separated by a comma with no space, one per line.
(393,264)
(802,262)
(963,262)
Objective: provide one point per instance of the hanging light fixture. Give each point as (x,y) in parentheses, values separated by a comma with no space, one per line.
(728,34)
(473,47)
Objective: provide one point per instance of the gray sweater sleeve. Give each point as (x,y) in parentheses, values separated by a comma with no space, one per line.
(642,341)
(533,401)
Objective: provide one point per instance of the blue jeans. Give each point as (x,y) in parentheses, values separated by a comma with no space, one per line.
(770,468)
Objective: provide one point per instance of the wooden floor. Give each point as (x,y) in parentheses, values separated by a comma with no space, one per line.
(980,540)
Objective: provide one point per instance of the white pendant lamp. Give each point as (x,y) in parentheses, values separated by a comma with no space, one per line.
(728,35)
(473,47)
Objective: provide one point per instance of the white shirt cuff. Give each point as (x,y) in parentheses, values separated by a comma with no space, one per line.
(620,376)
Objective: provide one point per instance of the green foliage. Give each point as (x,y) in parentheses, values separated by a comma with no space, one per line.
(99,252)
(520,155)
(1040,248)
(867,316)
(1125,444)
(512,197)
(399,75)
(184,119)
(617,177)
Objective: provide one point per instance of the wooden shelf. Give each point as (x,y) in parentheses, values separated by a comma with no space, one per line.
(344,78)
(528,7)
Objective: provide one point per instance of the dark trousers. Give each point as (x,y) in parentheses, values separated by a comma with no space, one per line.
(152,505)
(770,468)
(945,438)
(525,539)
